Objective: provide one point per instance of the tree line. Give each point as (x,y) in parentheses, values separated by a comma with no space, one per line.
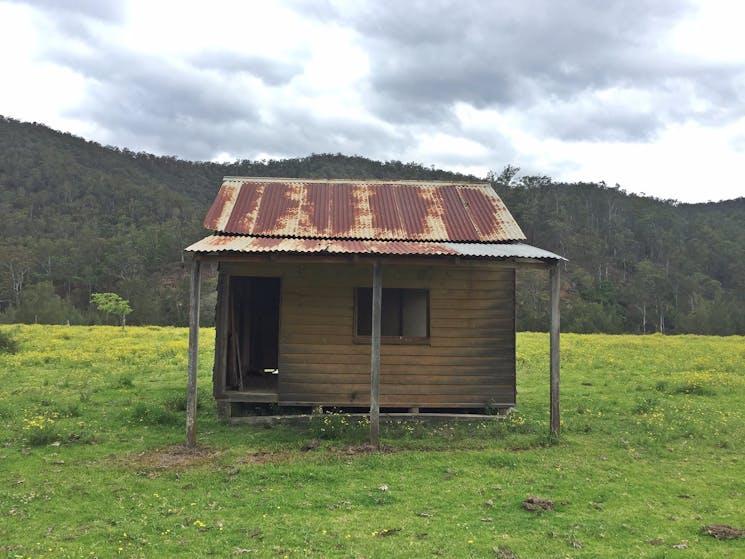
(636,264)
(78,218)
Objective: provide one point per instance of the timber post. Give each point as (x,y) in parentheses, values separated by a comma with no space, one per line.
(377,298)
(554,348)
(191,390)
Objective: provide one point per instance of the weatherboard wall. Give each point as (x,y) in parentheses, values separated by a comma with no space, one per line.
(469,360)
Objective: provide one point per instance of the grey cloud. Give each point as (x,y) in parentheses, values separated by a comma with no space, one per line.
(600,124)
(127,84)
(487,46)
(271,72)
(427,55)
(77,19)
(299,132)
(95,9)
(150,104)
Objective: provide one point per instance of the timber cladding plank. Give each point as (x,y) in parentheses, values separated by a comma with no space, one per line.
(463,318)
(327,329)
(325,345)
(355,391)
(443,304)
(308,312)
(400,400)
(455,370)
(402,376)
(306,353)
(466,293)
(345,377)
(423,362)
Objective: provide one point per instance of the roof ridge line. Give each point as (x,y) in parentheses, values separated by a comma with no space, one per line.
(229,178)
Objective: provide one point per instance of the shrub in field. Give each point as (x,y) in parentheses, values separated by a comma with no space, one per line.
(177,402)
(646,405)
(8,344)
(124,381)
(40,429)
(154,415)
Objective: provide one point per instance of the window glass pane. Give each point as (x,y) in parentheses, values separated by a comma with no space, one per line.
(414,313)
(390,322)
(364,311)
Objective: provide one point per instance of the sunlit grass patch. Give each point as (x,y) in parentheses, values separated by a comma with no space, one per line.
(706,382)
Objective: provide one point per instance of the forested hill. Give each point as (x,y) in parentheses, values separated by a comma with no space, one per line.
(76,217)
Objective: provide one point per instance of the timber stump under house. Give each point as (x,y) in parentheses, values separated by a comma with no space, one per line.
(370,294)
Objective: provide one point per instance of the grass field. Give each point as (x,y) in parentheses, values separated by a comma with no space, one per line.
(651,451)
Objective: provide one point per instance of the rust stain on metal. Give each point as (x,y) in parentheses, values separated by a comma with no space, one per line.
(277,214)
(343,209)
(458,223)
(219,242)
(386,220)
(415,207)
(218,214)
(349,207)
(246,244)
(316,210)
(482,214)
(245,207)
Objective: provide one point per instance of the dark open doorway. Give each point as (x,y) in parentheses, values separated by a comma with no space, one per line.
(253,340)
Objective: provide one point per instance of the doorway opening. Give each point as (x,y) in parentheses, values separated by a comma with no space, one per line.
(253,335)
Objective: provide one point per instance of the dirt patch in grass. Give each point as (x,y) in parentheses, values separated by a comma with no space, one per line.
(269,457)
(169,458)
(538,504)
(265,457)
(723,532)
(363,449)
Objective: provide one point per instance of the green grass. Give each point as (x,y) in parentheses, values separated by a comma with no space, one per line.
(651,450)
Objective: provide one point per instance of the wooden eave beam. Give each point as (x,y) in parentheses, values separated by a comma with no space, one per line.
(406,260)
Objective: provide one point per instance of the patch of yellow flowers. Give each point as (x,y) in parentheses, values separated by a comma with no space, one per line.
(39,422)
(698,380)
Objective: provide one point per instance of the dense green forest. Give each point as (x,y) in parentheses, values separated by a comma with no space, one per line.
(77,217)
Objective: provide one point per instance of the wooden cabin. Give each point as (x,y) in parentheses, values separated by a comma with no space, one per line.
(319,278)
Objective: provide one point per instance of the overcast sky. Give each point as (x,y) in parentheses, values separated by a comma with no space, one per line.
(646,94)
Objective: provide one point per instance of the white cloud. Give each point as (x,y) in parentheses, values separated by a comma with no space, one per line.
(714,33)
(688,162)
(34,89)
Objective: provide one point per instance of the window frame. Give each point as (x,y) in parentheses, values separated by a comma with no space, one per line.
(392,340)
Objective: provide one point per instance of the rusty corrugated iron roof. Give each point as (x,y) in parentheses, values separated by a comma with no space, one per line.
(363,210)
(249,244)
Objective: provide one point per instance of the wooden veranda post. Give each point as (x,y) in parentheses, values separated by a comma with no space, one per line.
(555,354)
(377,298)
(191,390)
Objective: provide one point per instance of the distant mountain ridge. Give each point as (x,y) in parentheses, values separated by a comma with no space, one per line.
(77,217)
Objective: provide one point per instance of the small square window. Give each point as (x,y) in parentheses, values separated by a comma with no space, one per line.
(405,314)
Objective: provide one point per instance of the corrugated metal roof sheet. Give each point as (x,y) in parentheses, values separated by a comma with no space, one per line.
(249,244)
(363,210)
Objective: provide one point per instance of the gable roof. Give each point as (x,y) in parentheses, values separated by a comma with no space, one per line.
(377,210)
